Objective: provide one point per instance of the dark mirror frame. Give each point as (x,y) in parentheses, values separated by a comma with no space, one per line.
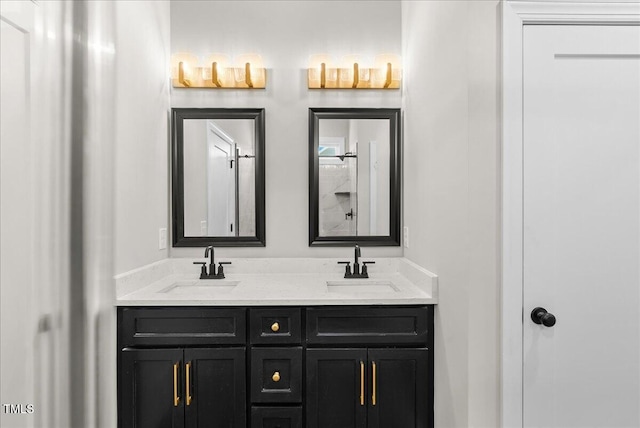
(395,139)
(178,115)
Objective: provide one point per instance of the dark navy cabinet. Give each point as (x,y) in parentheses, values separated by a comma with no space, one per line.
(275,367)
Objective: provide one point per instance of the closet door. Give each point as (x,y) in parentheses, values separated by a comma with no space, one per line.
(581,226)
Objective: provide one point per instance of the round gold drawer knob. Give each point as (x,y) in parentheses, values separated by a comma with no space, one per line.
(275,327)
(276,377)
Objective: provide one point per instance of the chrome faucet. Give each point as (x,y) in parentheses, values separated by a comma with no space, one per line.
(212,274)
(357,273)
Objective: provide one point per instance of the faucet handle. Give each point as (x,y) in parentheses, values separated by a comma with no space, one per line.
(364,268)
(203,268)
(221,269)
(369,263)
(347,267)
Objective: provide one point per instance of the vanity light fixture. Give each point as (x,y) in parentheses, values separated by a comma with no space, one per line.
(354,72)
(317,74)
(217,72)
(183,69)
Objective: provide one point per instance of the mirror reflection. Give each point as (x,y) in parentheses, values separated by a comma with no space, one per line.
(354,176)
(219,183)
(218,177)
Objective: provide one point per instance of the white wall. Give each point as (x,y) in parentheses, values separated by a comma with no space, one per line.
(286,33)
(451,140)
(484,77)
(142,132)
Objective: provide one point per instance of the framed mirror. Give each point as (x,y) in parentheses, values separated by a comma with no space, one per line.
(354,176)
(218,167)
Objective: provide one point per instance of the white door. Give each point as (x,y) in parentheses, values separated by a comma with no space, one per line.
(221,183)
(18,252)
(582,225)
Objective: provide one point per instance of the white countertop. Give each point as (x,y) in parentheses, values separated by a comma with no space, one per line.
(300,282)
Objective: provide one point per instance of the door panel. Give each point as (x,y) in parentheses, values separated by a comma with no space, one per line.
(334,387)
(147,381)
(582,225)
(221,184)
(17,214)
(217,385)
(401,399)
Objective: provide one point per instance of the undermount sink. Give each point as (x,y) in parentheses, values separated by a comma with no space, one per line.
(361,286)
(187,287)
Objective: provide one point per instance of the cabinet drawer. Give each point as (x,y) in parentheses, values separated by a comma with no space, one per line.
(275,325)
(276,417)
(182,326)
(276,375)
(369,326)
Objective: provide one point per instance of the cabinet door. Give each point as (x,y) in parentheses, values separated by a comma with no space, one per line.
(336,390)
(399,393)
(216,390)
(151,389)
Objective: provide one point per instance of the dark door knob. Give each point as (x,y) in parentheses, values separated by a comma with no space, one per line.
(541,316)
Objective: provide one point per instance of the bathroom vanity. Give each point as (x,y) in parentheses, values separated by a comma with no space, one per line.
(322,352)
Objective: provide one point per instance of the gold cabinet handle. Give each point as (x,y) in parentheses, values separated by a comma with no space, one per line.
(176,399)
(276,377)
(373,383)
(275,327)
(361,383)
(188,382)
